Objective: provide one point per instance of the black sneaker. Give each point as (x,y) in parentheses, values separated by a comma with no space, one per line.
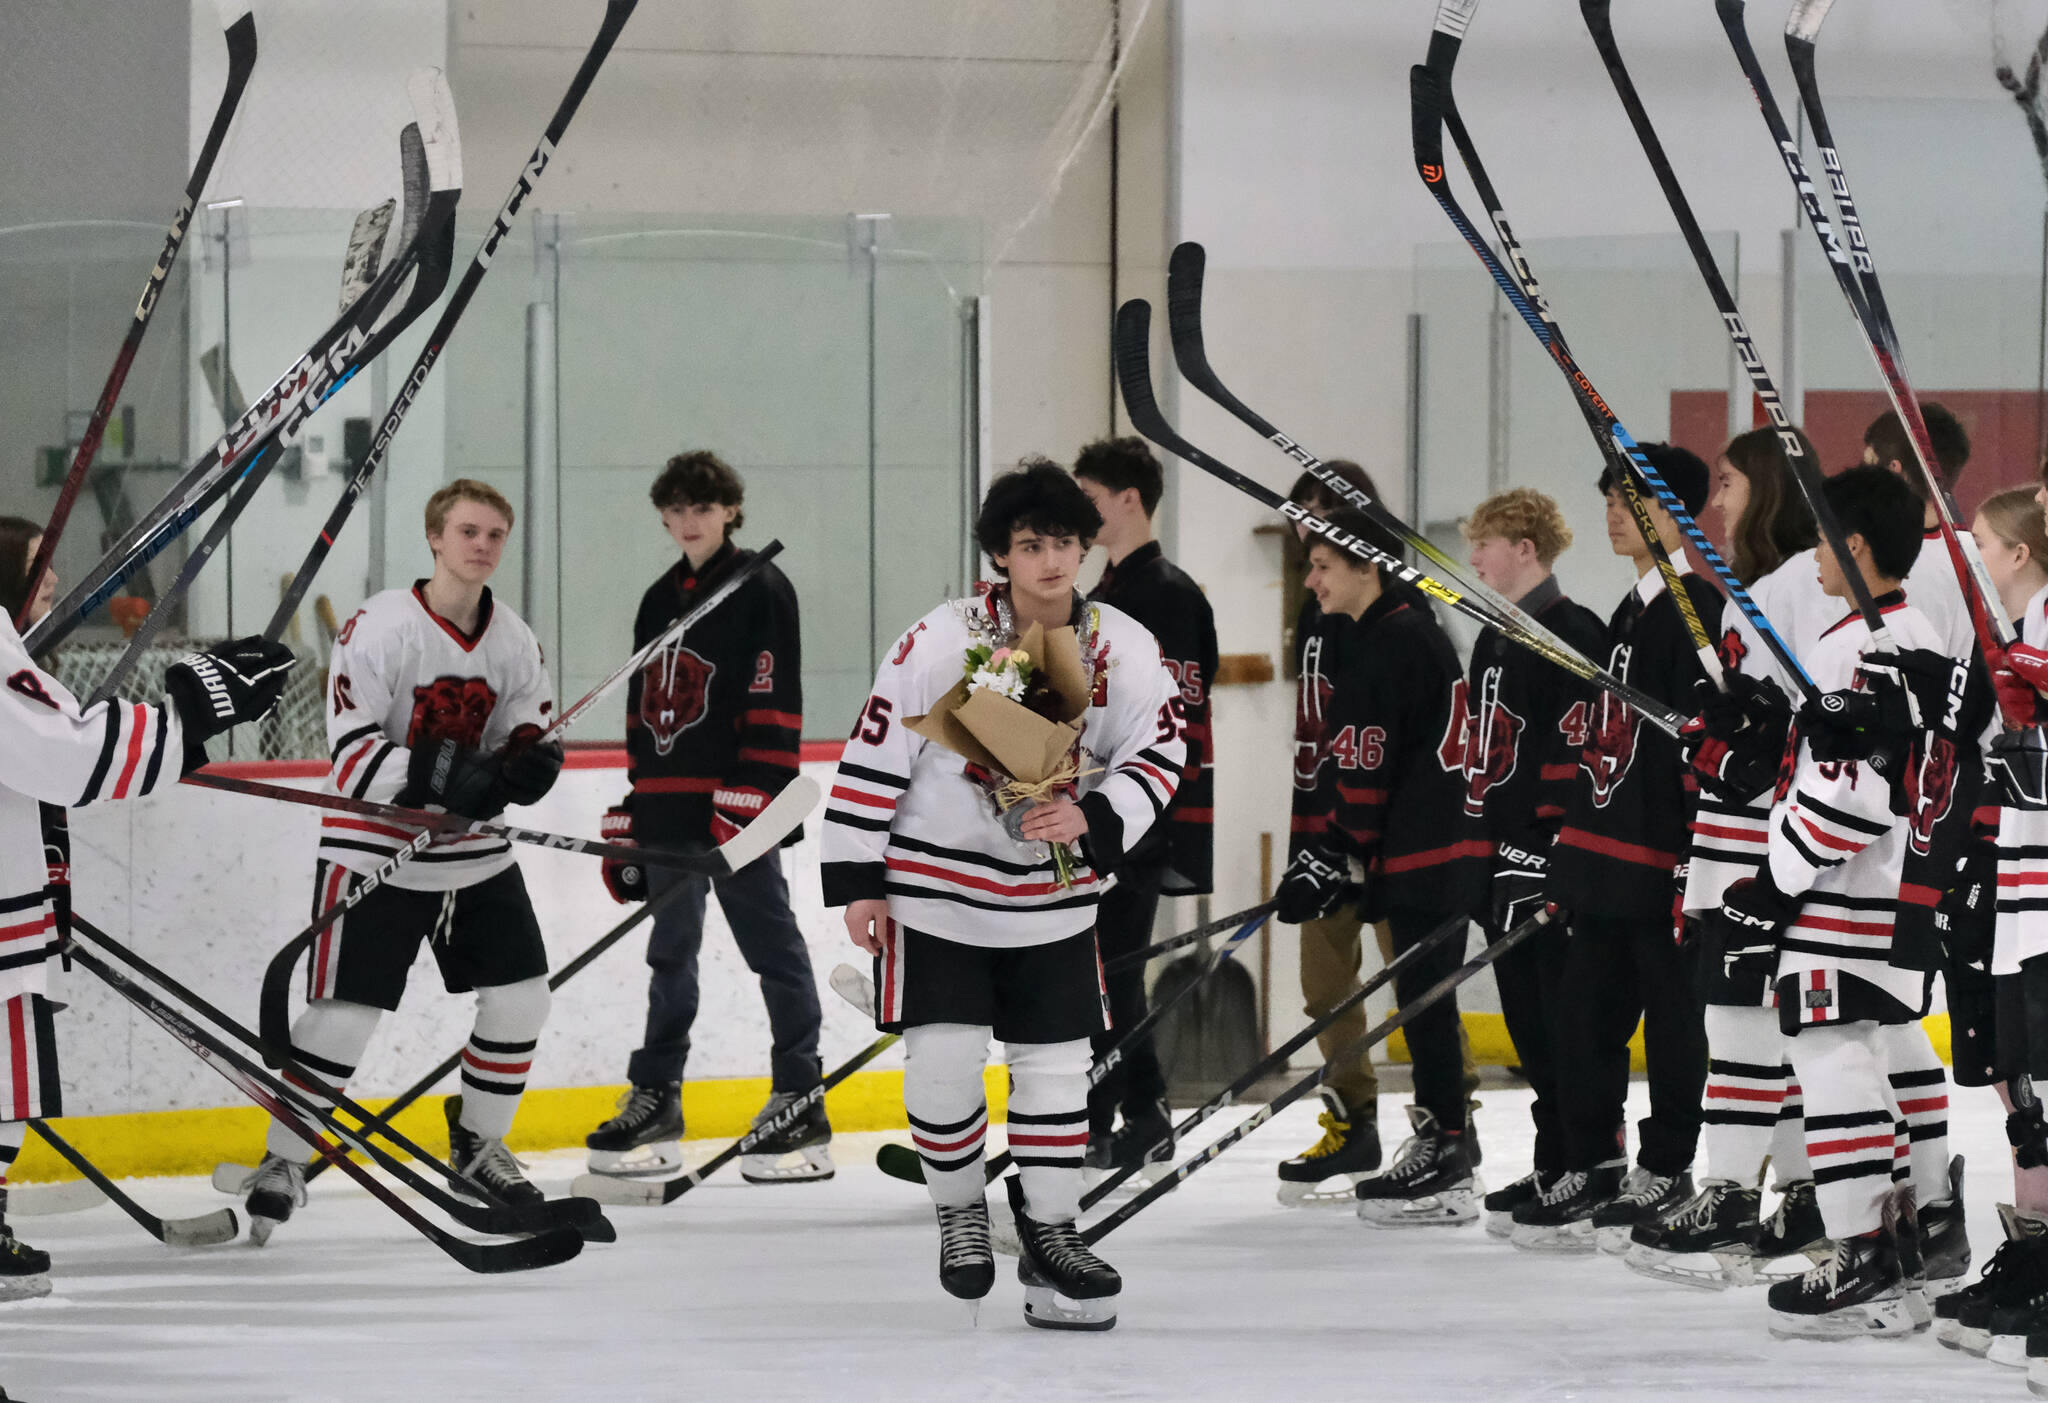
(1858,1289)
(1561,1219)
(24,1270)
(1645,1197)
(1430,1183)
(275,1188)
(1500,1205)
(644,1138)
(1350,1147)
(1066,1286)
(1718,1222)
(967,1260)
(485,1162)
(797,1147)
(1962,1317)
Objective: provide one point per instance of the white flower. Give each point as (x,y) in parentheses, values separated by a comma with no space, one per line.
(1008,683)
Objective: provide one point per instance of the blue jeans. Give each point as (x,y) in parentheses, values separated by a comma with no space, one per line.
(755,900)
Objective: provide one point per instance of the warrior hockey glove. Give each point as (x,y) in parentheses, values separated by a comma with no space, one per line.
(456,777)
(1737,741)
(1518,875)
(1315,882)
(1752,915)
(527,768)
(733,807)
(626,881)
(236,682)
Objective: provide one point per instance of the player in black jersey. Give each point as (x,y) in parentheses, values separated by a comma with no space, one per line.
(1125,482)
(1517,764)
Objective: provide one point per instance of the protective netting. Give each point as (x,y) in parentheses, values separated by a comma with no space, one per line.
(296,730)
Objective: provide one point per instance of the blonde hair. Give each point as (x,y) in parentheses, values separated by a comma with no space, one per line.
(465,489)
(1521,514)
(2016,517)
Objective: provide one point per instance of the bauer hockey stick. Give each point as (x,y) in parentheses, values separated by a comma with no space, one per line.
(1398,1019)
(239,28)
(1132,347)
(1805,471)
(546,1248)
(206,1230)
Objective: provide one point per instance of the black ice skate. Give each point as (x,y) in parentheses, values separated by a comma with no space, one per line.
(1644,1198)
(1561,1220)
(1944,1237)
(797,1146)
(1429,1185)
(1962,1317)
(1066,1286)
(967,1261)
(645,1139)
(1501,1204)
(1708,1241)
(1795,1229)
(2018,1309)
(275,1187)
(1144,1139)
(1350,1147)
(24,1271)
(1858,1289)
(485,1162)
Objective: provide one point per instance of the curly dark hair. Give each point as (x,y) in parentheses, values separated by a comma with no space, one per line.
(1037,495)
(697,478)
(1118,463)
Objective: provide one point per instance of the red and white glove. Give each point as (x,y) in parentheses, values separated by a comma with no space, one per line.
(2021,677)
(733,808)
(625,880)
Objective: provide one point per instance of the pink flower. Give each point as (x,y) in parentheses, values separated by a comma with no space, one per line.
(998,658)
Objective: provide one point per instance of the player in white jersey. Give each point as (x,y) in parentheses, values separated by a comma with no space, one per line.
(437,694)
(58,753)
(972,931)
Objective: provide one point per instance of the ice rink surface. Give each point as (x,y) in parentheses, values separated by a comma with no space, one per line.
(792,1292)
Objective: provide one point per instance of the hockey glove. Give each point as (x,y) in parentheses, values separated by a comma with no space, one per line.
(1918,689)
(1737,741)
(225,686)
(625,880)
(1314,884)
(1752,916)
(733,807)
(527,767)
(1518,875)
(2021,677)
(2018,763)
(1873,721)
(456,777)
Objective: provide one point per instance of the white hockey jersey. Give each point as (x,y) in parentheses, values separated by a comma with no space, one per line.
(905,821)
(60,753)
(401,674)
(1937,592)
(2022,930)
(1836,841)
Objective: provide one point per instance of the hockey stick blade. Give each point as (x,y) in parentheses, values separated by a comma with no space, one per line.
(586,1217)
(854,987)
(775,822)
(365,253)
(206,1230)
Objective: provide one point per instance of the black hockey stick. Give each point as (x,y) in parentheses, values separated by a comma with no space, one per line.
(1132,348)
(1187,937)
(617,12)
(206,1230)
(1399,1018)
(645,1193)
(543,1249)
(1805,471)
(1277,1059)
(239,29)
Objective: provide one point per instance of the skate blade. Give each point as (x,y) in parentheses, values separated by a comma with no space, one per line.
(1295,1193)
(796,1167)
(2008,1351)
(1968,1340)
(1687,1268)
(24,1288)
(1613,1241)
(1452,1209)
(1501,1225)
(1874,1320)
(663,1160)
(260,1229)
(2037,1378)
(1048,1310)
(45,1200)
(1572,1239)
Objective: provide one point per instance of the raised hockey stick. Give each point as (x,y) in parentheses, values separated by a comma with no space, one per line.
(1399,1018)
(645,1193)
(206,1230)
(1805,471)
(1132,347)
(238,27)
(617,12)
(545,1248)
(1434,110)
(1187,937)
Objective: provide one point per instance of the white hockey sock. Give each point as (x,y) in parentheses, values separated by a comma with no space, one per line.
(329,1039)
(1920,1087)
(1849,1123)
(1745,1092)
(947,1103)
(1788,1141)
(1049,1124)
(499,1054)
(12,1135)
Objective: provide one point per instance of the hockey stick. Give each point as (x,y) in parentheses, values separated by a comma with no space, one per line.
(1184,279)
(617,12)
(206,1230)
(545,1248)
(1399,1018)
(1434,110)
(1132,347)
(642,1193)
(1805,471)
(1187,937)
(238,27)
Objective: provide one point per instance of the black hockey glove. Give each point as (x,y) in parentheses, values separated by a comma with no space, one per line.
(1518,877)
(223,687)
(1736,743)
(2018,763)
(1868,725)
(1920,689)
(527,767)
(456,777)
(1752,916)
(1314,884)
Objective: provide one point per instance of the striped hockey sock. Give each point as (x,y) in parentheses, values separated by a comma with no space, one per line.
(1745,1091)
(1788,1142)
(948,1107)
(1849,1124)
(1049,1124)
(499,1054)
(329,1039)
(1920,1087)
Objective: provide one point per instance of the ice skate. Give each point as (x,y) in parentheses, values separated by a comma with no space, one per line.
(1430,1184)
(275,1187)
(967,1262)
(24,1271)
(1561,1220)
(1962,1317)
(1644,1198)
(2017,1309)
(645,1139)
(1857,1290)
(797,1148)
(2037,1364)
(1501,1204)
(1709,1241)
(485,1163)
(1794,1229)
(1944,1237)
(1066,1286)
(1350,1148)
(1144,1142)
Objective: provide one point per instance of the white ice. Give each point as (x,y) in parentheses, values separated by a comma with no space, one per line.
(798,1292)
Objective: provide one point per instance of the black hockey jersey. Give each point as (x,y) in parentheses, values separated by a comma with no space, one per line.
(1171,606)
(1628,807)
(713,721)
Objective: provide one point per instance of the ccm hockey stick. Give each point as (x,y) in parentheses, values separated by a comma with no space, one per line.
(1400,1018)
(617,12)
(1132,347)
(206,1230)
(1186,937)
(555,1244)
(1184,277)
(1805,471)
(239,28)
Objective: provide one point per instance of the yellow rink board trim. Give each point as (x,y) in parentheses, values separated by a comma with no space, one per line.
(552,1118)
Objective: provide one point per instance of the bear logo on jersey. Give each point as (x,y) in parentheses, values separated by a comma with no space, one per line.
(1482,745)
(451,708)
(1311,706)
(1930,790)
(1610,749)
(1732,650)
(673,692)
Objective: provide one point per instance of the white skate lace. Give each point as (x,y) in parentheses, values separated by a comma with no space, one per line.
(1568,1184)
(495,1166)
(777,1103)
(964,1236)
(1643,1187)
(1704,1206)
(1781,1217)
(280,1175)
(1063,1250)
(636,1105)
(1826,1274)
